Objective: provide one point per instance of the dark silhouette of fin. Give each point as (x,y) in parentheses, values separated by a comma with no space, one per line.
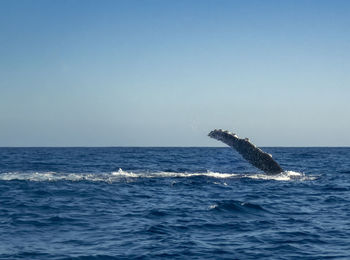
(249,151)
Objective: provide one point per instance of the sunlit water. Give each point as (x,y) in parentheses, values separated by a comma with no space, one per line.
(177,203)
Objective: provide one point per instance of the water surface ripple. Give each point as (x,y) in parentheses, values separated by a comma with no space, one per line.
(173,203)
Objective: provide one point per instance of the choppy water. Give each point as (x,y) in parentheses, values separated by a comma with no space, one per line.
(173,203)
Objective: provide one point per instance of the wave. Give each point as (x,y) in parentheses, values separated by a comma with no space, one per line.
(121,175)
(235,205)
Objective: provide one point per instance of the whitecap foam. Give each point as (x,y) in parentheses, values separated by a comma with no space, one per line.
(103,177)
(122,175)
(283,176)
(213,206)
(52,176)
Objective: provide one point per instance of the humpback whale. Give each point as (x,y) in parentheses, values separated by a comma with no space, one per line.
(249,151)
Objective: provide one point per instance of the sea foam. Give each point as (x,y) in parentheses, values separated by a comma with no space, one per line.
(121,174)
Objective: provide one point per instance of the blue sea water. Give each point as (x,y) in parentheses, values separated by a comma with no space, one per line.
(173,203)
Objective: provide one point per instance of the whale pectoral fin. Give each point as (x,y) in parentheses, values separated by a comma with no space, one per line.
(249,151)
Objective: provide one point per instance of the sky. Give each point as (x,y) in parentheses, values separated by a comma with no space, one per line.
(166,72)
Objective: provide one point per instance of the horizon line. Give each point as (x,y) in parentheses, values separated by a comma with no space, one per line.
(124,146)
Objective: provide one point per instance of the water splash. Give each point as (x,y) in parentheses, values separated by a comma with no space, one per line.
(121,174)
(283,176)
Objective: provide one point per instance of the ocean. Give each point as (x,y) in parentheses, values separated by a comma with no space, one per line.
(173,203)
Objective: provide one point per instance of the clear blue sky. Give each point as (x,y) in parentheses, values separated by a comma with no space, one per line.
(165,73)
